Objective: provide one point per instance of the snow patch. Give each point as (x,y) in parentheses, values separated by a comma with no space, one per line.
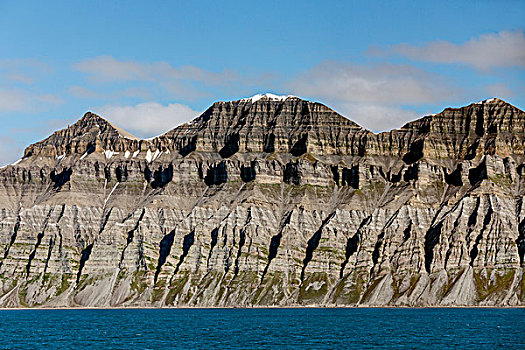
(126,155)
(110,193)
(15,163)
(136,153)
(150,157)
(84,156)
(60,157)
(268,96)
(156,154)
(110,154)
(490,100)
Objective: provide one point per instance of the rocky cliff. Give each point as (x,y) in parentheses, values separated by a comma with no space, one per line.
(270,201)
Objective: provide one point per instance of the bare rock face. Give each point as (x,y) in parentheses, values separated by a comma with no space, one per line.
(270,201)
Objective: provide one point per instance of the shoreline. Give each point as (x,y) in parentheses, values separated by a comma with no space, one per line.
(262,307)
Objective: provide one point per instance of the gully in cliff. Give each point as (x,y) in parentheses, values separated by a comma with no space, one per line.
(270,200)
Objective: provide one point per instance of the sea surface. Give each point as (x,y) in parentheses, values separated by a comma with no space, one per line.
(310,328)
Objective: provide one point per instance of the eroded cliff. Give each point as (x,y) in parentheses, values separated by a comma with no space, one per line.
(270,201)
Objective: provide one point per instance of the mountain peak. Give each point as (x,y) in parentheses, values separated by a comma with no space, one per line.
(271,123)
(493,100)
(89,133)
(267,96)
(90,116)
(91,120)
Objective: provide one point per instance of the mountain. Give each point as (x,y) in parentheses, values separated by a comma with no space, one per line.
(270,200)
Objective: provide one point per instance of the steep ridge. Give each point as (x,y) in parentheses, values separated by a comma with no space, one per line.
(270,200)
(289,125)
(90,134)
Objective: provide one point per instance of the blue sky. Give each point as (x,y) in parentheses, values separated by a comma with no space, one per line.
(149,66)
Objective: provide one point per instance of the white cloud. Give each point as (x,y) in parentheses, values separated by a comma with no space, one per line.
(20,78)
(104,69)
(24,71)
(93,94)
(378,84)
(374,96)
(375,117)
(16,100)
(173,82)
(147,119)
(107,69)
(25,64)
(503,49)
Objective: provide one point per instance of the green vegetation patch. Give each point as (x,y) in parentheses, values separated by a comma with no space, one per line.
(349,290)
(158,290)
(371,288)
(176,287)
(502,180)
(451,281)
(22,296)
(522,288)
(314,288)
(139,282)
(266,293)
(485,287)
(413,284)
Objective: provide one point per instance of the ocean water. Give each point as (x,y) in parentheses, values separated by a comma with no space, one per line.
(323,328)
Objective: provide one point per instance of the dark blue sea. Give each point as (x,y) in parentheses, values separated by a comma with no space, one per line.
(356,328)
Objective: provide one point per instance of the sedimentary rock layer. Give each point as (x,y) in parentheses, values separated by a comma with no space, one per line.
(270,201)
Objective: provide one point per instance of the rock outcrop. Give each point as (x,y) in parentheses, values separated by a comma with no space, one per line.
(270,201)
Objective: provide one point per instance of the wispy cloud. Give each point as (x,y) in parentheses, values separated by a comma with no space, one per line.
(377,117)
(503,49)
(93,94)
(147,119)
(24,71)
(105,69)
(169,81)
(17,86)
(383,84)
(17,100)
(375,96)
(20,78)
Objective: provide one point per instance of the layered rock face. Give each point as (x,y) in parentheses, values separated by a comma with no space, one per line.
(270,201)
